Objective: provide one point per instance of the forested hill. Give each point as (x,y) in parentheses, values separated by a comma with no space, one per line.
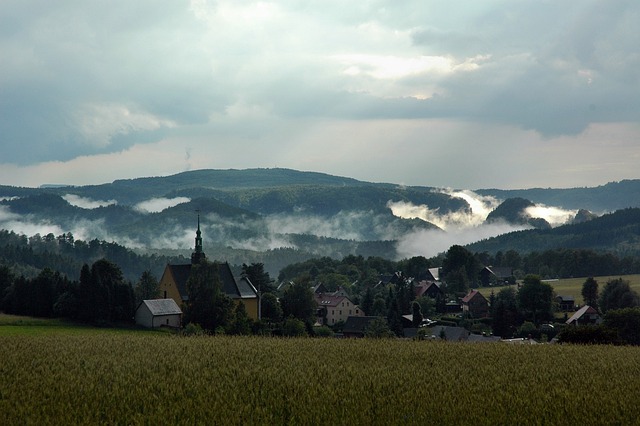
(617,232)
(605,198)
(286,215)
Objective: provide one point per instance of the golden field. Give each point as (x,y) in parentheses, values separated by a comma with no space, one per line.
(101,377)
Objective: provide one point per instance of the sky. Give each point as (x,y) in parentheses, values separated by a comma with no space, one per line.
(466,94)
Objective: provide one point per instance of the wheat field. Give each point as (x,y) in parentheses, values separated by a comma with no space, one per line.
(158,378)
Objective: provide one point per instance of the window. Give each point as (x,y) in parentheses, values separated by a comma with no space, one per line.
(165,294)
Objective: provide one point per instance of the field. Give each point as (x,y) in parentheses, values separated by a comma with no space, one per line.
(75,375)
(573,286)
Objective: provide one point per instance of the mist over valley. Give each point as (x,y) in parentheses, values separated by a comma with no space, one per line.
(246,215)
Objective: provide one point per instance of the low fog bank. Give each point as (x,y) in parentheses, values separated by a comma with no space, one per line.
(408,224)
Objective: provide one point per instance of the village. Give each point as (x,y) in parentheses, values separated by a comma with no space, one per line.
(471,317)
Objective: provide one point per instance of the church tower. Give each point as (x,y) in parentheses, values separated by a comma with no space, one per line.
(198,255)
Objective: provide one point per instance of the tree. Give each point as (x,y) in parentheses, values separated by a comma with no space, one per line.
(378,329)
(617,294)
(394,316)
(241,323)
(535,299)
(460,268)
(379,307)
(298,302)
(504,313)
(148,287)
(367,301)
(590,292)
(626,322)
(207,304)
(417,314)
(6,280)
(293,327)
(104,296)
(271,309)
(259,277)
(427,306)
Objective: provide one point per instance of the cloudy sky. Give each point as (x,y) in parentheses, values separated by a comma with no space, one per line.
(466,94)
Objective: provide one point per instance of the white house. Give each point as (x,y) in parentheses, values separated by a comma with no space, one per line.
(159,312)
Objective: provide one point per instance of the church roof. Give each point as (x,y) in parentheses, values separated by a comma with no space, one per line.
(181,275)
(235,289)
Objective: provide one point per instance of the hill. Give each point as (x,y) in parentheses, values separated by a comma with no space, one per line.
(256,214)
(617,232)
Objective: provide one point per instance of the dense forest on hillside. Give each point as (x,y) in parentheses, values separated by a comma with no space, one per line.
(617,232)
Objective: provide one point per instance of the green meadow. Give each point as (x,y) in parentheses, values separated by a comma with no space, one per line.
(573,286)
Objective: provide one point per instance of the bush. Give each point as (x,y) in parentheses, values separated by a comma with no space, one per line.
(293,327)
(589,335)
(323,331)
(193,329)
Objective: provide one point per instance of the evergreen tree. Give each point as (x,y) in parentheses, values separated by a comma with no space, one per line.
(535,299)
(367,302)
(259,277)
(417,314)
(271,309)
(394,316)
(207,306)
(298,302)
(147,288)
(241,323)
(617,294)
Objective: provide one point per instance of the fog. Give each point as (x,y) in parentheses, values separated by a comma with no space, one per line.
(556,216)
(86,203)
(156,205)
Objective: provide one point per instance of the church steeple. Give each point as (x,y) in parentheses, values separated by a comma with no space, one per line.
(198,254)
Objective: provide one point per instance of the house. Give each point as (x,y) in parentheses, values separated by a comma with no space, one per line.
(450,334)
(173,284)
(394,278)
(585,315)
(335,307)
(428,289)
(566,303)
(158,313)
(496,275)
(475,305)
(356,326)
(481,338)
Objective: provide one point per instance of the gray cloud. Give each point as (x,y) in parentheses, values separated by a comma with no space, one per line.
(82,82)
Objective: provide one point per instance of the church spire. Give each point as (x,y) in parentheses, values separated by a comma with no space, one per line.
(198,254)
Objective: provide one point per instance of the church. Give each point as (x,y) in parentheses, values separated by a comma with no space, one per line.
(173,284)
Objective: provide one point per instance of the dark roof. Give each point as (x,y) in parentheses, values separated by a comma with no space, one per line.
(452,334)
(565,298)
(586,309)
(161,306)
(240,289)
(246,288)
(427,287)
(357,324)
(471,295)
(500,271)
(181,275)
(480,338)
